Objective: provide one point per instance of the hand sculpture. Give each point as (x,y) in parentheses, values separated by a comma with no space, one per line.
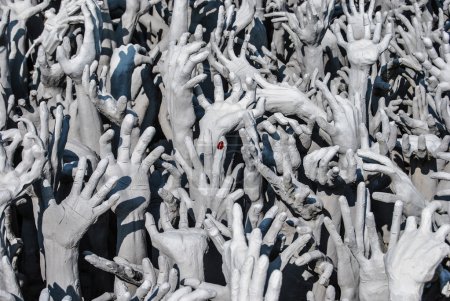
(124,61)
(190,242)
(347,117)
(106,104)
(150,288)
(24,9)
(307,27)
(274,153)
(439,66)
(229,62)
(413,244)
(255,272)
(57,25)
(9,288)
(291,102)
(14,181)
(90,47)
(233,249)
(272,138)
(293,193)
(347,265)
(364,52)
(226,115)
(412,42)
(133,186)
(311,29)
(215,196)
(244,15)
(80,203)
(362,237)
(361,54)
(414,202)
(321,168)
(178,84)
(356,16)
(75,214)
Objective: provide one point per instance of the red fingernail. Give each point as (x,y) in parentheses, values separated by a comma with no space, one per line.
(220,145)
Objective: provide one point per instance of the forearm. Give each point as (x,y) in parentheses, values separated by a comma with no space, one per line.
(164,121)
(4,69)
(142,103)
(90,128)
(37,211)
(179,135)
(313,60)
(421,179)
(126,27)
(131,237)
(253,185)
(3,113)
(18,70)
(358,77)
(74,131)
(259,5)
(37,9)
(106,50)
(62,271)
(182,118)
(278,39)
(374,290)
(108,43)
(330,202)
(331,208)
(294,103)
(121,82)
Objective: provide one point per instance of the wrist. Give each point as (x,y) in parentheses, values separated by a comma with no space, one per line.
(306,109)
(252,183)
(415,206)
(312,62)
(373,290)
(127,216)
(349,294)
(192,267)
(404,290)
(358,76)
(61,270)
(259,13)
